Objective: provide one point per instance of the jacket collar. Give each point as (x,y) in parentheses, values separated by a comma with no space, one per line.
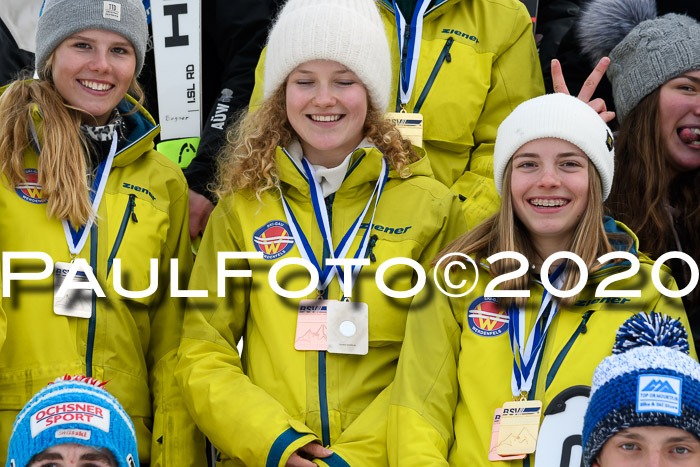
(364,168)
(143,130)
(434,4)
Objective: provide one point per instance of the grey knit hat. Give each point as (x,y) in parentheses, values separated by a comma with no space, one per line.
(62,18)
(645,50)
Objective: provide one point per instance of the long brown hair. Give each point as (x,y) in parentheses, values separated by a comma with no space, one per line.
(62,166)
(248,159)
(643,195)
(505,232)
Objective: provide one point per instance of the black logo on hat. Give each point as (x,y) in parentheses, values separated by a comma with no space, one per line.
(609,141)
(130,461)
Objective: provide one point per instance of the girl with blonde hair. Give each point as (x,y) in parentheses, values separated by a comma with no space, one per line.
(83,186)
(314,174)
(525,308)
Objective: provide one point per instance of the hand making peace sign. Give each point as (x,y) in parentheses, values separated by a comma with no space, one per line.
(588,87)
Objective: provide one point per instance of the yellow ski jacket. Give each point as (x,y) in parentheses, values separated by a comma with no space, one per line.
(456,363)
(259,407)
(130,343)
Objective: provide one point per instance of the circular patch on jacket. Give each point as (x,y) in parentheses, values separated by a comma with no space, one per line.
(273,240)
(485,319)
(30,190)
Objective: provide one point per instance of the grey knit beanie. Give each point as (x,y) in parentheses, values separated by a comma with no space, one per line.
(62,18)
(350,32)
(645,50)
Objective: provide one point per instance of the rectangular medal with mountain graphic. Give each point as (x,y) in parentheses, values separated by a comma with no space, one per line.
(520,424)
(410,125)
(312,325)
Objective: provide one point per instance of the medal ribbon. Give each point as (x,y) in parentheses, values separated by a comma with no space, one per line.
(326,274)
(76,238)
(409,62)
(523,374)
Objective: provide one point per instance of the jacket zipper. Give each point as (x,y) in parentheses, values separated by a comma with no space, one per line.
(555,367)
(581,329)
(370,247)
(128,213)
(390,7)
(443,57)
(322,386)
(92,322)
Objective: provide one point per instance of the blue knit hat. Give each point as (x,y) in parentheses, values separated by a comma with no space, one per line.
(73,410)
(650,380)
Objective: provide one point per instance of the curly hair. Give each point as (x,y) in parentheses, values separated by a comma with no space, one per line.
(248,160)
(65,151)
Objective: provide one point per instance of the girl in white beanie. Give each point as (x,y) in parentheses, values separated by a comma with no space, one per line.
(553,166)
(83,186)
(315,173)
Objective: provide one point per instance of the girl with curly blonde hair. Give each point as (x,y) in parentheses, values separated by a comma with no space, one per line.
(315,174)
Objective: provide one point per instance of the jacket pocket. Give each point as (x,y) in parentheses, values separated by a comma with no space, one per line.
(452,83)
(136,234)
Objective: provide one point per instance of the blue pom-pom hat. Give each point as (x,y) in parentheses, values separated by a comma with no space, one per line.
(650,380)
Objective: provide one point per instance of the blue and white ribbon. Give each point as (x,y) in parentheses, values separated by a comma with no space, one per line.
(525,358)
(76,238)
(326,274)
(413,34)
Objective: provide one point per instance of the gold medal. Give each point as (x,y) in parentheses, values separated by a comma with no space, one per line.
(520,424)
(495,429)
(410,125)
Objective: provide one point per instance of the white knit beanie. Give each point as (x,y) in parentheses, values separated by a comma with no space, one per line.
(350,32)
(556,116)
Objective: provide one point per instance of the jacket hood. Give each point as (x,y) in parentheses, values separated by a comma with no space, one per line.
(612,226)
(142,131)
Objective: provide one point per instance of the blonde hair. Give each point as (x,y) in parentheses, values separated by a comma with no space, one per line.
(505,232)
(248,159)
(63,164)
